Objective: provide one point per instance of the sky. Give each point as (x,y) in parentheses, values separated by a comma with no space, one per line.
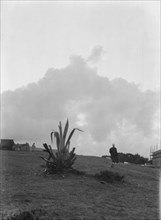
(96,63)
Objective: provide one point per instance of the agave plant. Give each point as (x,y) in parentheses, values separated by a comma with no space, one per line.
(63,158)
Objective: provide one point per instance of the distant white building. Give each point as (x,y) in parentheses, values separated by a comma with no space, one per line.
(156,158)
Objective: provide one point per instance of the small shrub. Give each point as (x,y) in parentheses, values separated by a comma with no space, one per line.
(34,214)
(109,176)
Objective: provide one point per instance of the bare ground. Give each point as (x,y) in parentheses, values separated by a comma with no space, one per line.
(71,197)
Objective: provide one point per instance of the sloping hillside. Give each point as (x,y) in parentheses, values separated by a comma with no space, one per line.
(23,187)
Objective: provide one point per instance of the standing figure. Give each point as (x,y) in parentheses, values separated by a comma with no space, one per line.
(114,155)
(33,147)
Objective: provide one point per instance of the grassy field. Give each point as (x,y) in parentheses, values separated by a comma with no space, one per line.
(23,187)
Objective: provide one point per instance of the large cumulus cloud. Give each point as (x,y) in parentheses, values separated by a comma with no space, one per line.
(109,112)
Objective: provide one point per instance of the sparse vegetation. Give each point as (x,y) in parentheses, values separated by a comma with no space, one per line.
(34,214)
(63,158)
(109,176)
(132,158)
(24,188)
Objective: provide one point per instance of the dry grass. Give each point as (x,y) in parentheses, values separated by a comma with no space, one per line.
(68,197)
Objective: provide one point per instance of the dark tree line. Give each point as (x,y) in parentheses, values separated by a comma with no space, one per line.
(132,158)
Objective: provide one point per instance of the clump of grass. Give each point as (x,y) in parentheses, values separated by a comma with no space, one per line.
(109,176)
(63,158)
(34,214)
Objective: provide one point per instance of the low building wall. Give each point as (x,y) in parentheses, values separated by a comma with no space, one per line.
(6,144)
(156,158)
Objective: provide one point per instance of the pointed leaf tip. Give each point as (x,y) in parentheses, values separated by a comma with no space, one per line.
(51,136)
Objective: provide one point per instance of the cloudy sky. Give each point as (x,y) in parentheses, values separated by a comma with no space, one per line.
(95,63)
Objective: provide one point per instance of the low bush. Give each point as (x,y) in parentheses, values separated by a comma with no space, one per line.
(109,176)
(35,214)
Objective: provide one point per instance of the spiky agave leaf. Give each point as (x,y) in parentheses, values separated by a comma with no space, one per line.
(71,133)
(65,131)
(52,153)
(51,136)
(46,160)
(60,129)
(72,157)
(46,147)
(71,154)
(71,161)
(68,146)
(61,142)
(56,135)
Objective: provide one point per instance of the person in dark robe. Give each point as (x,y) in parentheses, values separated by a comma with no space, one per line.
(114,155)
